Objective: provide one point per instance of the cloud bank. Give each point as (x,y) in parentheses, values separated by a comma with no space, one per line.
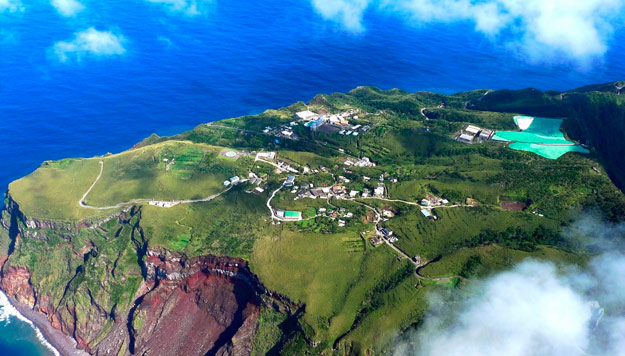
(532,310)
(90,43)
(187,7)
(576,29)
(67,7)
(10,6)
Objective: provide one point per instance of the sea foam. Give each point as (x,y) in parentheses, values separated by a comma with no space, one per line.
(7,310)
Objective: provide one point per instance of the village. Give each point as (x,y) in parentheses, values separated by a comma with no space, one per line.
(367,191)
(298,187)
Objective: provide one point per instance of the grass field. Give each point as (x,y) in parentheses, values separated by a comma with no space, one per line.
(454,228)
(228,225)
(334,275)
(54,189)
(197,171)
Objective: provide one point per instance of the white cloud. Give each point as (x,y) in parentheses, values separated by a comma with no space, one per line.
(576,29)
(67,7)
(187,7)
(533,309)
(10,6)
(90,42)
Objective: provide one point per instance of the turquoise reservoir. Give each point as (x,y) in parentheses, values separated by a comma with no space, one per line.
(539,135)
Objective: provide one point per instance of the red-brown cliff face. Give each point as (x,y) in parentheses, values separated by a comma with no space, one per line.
(16,285)
(206,305)
(165,304)
(199,306)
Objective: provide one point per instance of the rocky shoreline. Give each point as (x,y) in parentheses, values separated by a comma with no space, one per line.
(63,344)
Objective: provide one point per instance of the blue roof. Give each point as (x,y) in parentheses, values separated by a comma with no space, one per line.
(426,212)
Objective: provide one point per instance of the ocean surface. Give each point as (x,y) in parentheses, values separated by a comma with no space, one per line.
(239,57)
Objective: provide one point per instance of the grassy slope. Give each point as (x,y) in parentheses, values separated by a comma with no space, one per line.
(54,189)
(136,174)
(356,297)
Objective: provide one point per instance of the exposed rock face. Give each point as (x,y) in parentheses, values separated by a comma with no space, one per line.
(16,284)
(31,226)
(196,306)
(204,305)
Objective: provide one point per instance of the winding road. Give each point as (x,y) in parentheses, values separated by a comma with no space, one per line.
(171,203)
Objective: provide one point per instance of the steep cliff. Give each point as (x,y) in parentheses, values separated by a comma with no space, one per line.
(115,295)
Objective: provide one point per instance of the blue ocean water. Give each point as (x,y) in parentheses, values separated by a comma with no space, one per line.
(240,57)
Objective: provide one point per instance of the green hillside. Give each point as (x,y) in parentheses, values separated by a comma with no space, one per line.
(367,250)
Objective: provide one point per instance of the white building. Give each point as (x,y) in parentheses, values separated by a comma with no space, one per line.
(306,115)
(268,155)
(474,130)
(465,138)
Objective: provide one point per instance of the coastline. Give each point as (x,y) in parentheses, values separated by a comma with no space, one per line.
(53,339)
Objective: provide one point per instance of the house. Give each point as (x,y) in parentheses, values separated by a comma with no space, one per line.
(425,202)
(341,223)
(366,179)
(268,155)
(387,232)
(235,180)
(259,190)
(379,191)
(353,193)
(388,213)
(337,189)
(376,241)
(226,183)
(287,133)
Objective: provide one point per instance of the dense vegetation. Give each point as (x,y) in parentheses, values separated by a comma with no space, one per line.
(356,297)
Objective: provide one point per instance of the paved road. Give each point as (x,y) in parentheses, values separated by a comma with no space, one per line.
(81,202)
